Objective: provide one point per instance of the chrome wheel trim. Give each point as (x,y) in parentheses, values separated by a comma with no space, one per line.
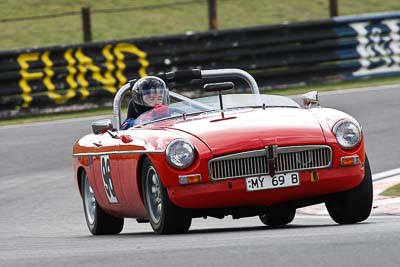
(153,195)
(89,201)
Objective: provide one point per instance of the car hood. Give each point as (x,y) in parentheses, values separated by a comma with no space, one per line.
(253,128)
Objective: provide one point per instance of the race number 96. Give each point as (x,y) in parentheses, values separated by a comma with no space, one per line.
(107,180)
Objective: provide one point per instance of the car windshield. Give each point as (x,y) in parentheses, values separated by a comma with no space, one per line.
(231,102)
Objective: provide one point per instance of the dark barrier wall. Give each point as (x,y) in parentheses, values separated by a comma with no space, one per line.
(42,79)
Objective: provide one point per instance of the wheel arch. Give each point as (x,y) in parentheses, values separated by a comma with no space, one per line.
(139,170)
(79,174)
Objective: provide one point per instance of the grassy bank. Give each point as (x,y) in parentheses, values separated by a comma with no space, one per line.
(336,86)
(393,191)
(130,22)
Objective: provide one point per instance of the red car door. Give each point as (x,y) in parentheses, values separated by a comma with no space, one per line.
(106,171)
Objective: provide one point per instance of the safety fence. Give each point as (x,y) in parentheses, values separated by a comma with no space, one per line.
(50,78)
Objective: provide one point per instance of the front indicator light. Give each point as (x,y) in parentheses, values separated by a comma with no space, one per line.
(190,179)
(349,161)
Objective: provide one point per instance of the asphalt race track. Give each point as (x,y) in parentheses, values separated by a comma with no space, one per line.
(42,221)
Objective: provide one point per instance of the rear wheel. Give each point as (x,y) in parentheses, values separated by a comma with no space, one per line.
(97,220)
(164,216)
(278,216)
(354,205)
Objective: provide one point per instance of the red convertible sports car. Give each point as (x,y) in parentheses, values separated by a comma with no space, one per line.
(222,154)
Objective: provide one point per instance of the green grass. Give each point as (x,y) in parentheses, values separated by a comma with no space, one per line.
(393,191)
(167,20)
(58,116)
(61,116)
(336,86)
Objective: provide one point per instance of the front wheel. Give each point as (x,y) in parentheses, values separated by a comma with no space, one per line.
(164,216)
(354,205)
(97,220)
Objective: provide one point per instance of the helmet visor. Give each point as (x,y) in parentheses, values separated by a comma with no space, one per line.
(153,96)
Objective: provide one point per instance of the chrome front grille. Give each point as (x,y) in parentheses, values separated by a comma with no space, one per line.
(252,163)
(235,168)
(299,158)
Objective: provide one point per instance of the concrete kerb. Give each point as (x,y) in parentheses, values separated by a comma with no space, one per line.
(385,205)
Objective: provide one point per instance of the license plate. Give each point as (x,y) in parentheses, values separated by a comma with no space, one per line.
(267,182)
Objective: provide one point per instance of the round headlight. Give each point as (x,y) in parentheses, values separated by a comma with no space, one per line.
(180,153)
(348,134)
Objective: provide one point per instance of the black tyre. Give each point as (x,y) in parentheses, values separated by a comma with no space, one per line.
(278,216)
(164,216)
(97,220)
(354,205)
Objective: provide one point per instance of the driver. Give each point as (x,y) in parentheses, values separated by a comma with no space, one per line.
(147,93)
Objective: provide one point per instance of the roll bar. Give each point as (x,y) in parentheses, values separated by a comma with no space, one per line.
(185,76)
